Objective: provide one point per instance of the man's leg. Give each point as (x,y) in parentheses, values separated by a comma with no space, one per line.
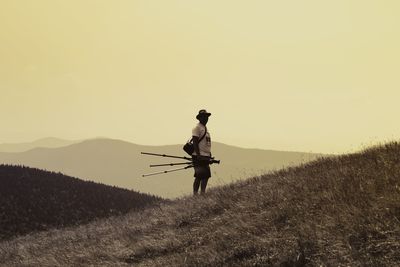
(203,185)
(196,185)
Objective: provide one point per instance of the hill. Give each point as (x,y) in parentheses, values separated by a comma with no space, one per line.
(336,211)
(49,142)
(36,200)
(120,163)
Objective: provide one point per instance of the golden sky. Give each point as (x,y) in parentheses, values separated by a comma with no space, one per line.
(302,75)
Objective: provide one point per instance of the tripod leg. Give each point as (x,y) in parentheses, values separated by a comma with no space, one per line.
(167,171)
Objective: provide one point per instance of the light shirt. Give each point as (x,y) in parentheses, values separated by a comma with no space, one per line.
(205,143)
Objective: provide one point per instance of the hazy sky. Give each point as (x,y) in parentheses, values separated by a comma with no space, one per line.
(303,75)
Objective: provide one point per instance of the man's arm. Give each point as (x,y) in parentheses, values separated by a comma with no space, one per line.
(196,145)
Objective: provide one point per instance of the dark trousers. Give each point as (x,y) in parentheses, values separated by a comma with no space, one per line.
(196,184)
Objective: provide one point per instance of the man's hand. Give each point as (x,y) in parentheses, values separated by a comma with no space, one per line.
(201,159)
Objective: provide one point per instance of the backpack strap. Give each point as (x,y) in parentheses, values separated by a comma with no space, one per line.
(204,135)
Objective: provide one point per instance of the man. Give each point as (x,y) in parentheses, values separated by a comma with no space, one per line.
(202,152)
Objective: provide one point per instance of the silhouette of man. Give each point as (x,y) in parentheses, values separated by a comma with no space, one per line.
(202,152)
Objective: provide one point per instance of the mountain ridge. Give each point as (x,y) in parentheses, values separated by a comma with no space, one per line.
(36,144)
(50,142)
(118,162)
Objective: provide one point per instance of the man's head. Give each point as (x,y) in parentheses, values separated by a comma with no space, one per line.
(203,116)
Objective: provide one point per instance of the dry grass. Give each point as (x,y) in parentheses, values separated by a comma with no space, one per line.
(337,211)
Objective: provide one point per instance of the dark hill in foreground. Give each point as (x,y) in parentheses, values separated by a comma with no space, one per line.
(32,200)
(337,211)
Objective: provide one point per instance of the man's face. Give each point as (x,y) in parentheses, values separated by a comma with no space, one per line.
(203,120)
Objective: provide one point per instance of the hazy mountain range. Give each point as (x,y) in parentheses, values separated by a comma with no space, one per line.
(49,142)
(120,163)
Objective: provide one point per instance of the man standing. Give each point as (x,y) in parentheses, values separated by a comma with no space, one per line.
(202,152)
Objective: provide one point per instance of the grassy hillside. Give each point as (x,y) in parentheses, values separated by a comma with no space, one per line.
(337,211)
(32,200)
(120,163)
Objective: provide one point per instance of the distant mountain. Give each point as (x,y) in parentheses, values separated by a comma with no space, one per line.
(49,142)
(33,200)
(120,163)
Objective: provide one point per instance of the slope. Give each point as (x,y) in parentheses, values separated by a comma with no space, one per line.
(33,200)
(336,211)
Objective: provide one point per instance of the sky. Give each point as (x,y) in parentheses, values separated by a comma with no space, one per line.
(293,75)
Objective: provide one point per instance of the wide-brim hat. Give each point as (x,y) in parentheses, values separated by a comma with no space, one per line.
(202,113)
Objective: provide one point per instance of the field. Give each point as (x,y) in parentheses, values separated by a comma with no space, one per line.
(334,211)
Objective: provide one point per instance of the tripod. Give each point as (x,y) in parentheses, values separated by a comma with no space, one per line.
(189,162)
